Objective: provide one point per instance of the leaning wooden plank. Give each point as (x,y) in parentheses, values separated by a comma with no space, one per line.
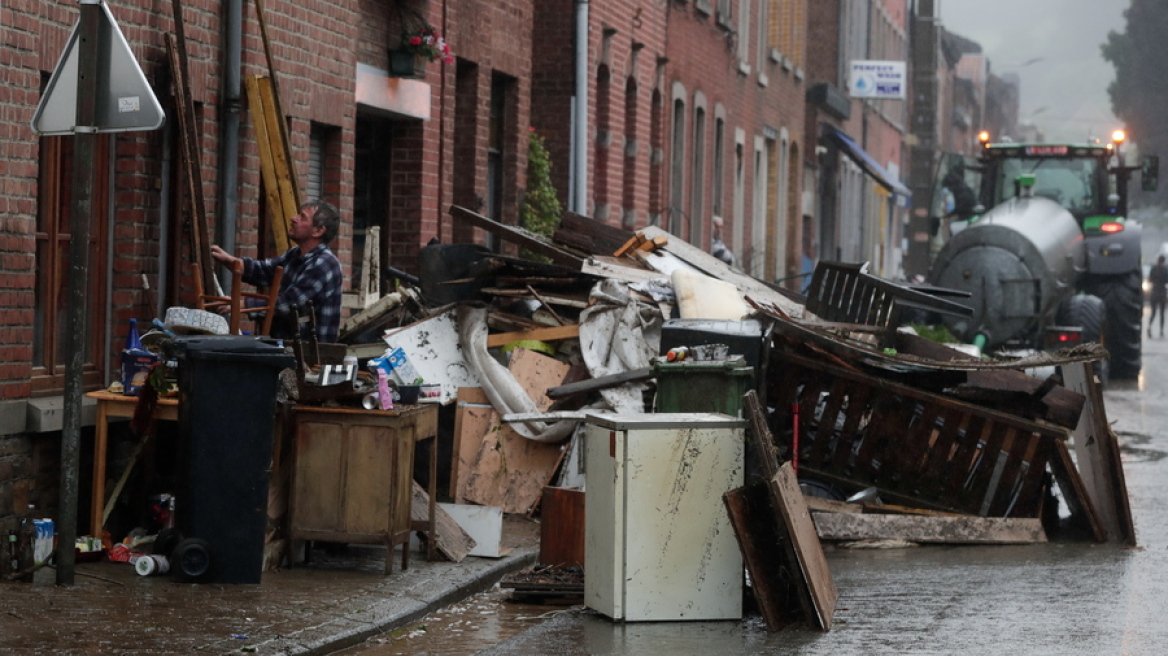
(1097,452)
(919,528)
(271,186)
(517,235)
(756,528)
(192,166)
(805,550)
(452,541)
(1074,494)
(281,157)
(540,334)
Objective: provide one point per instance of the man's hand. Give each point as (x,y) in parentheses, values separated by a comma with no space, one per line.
(222,255)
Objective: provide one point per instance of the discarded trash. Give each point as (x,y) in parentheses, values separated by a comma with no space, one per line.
(152,564)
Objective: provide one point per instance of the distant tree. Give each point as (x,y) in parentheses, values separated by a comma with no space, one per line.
(1139,93)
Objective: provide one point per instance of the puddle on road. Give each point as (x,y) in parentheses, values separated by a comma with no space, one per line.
(1133,448)
(465,628)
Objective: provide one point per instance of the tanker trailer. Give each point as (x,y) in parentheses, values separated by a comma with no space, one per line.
(1054,254)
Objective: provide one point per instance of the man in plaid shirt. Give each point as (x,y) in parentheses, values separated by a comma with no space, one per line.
(312,274)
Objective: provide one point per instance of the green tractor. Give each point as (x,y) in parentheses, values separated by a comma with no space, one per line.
(1045,250)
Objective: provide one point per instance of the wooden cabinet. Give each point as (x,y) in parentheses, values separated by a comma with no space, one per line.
(353,472)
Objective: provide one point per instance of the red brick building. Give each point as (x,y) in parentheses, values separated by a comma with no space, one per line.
(695,114)
(691,110)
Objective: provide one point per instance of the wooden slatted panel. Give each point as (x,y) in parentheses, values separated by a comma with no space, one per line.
(914,445)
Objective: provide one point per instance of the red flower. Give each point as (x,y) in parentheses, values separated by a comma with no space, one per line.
(416,41)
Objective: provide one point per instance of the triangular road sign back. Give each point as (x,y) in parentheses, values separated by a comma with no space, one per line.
(125,100)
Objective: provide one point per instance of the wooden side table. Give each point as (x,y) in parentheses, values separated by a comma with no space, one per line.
(114,405)
(352,476)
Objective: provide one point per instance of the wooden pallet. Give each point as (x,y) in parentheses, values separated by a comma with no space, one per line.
(918,449)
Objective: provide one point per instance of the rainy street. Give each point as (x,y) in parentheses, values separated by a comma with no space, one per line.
(1057,598)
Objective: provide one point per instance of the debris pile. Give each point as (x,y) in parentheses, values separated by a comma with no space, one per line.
(859,430)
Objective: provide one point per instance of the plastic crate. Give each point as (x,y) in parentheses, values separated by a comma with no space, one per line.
(702,386)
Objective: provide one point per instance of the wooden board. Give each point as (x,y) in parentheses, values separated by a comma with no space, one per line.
(518,236)
(452,541)
(561,527)
(540,334)
(707,263)
(588,234)
(932,529)
(1074,493)
(499,467)
(804,546)
(473,418)
(759,539)
(1097,451)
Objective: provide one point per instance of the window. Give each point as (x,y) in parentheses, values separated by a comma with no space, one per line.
(758,213)
(698,186)
(54,213)
(496,140)
(719,164)
(677,169)
(744,30)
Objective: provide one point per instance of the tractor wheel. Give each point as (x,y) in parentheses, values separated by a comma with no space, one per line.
(1124,297)
(1088,313)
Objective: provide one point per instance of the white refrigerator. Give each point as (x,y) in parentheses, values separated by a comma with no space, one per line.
(658,540)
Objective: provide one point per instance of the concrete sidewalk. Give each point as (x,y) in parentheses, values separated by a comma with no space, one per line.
(335,602)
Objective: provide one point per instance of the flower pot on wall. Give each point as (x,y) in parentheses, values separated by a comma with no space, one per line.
(403,63)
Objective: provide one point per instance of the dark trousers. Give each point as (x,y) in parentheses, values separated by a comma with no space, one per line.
(1158,303)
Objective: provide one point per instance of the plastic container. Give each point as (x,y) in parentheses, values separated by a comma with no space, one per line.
(136,362)
(151,564)
(227,401)
(710,386)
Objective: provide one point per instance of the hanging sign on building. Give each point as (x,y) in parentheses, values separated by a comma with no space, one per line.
(877,79)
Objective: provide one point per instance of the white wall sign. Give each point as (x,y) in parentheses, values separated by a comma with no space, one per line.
(877,79)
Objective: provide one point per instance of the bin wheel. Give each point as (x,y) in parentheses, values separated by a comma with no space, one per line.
(165,542)
(192,560)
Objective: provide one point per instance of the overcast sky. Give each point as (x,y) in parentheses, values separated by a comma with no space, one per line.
(1064,92)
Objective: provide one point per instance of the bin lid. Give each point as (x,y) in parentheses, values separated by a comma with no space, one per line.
(231,347)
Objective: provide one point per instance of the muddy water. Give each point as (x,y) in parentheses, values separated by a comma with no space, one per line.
(465,628)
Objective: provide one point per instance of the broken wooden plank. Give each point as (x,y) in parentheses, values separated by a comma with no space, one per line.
(588,234)
(1097,452)
(557,415)
(451,540)
(517,235)
(539,334)
(804,547)
(759,539)
(920,528)
(599,383)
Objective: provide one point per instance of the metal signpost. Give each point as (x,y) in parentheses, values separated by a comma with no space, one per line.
(96,87)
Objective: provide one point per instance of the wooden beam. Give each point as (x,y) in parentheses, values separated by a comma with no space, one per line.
(539,334)
(197,211)
(599,383)
(519,236)
(271,185)
(920,528)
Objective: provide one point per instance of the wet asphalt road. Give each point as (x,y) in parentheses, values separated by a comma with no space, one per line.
(1058,598)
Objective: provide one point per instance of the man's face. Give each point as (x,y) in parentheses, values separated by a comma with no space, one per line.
(300,228)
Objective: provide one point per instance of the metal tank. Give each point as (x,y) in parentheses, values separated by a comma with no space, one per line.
(1018,261)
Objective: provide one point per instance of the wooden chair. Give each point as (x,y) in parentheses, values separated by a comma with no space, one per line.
(236,302)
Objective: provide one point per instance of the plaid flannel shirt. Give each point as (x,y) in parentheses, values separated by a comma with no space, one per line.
(314,278)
